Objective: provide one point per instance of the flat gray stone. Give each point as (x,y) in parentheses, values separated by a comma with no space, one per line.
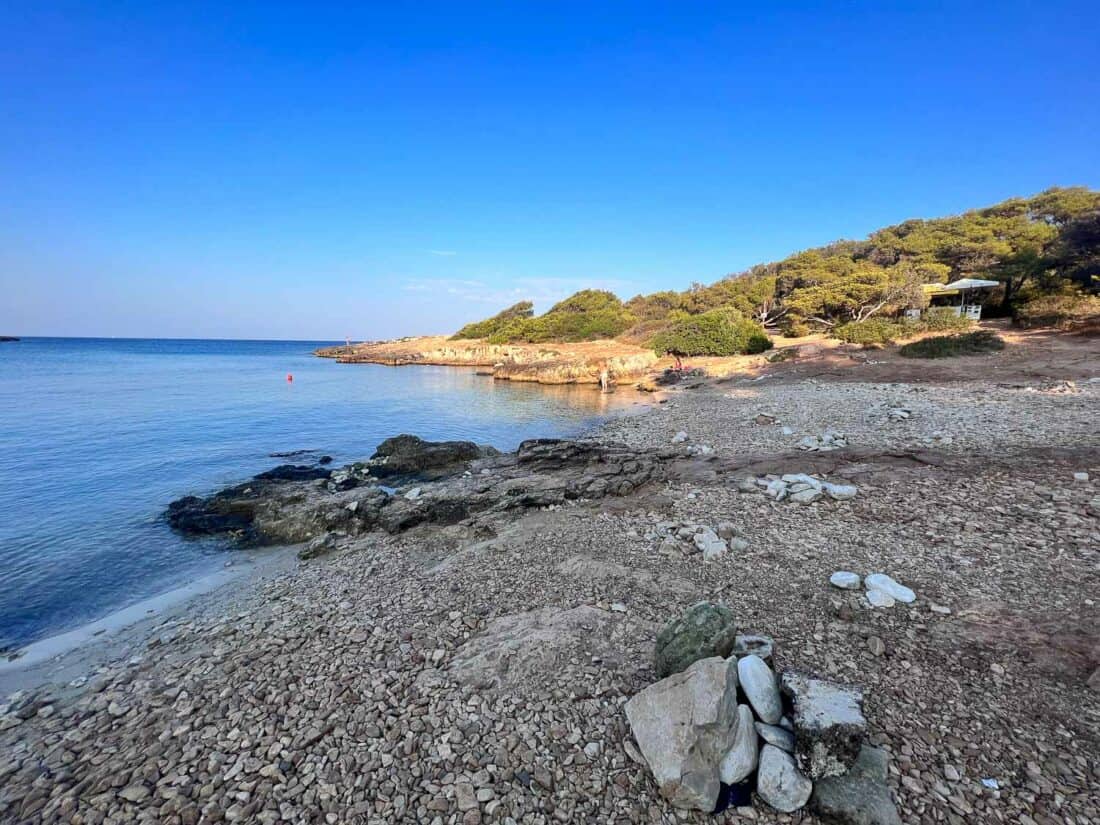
(845,580)
(779,782)
(828,723)
(776,735)
(741,759)
(684,725)
(760,687)
(859,797)
(880,581)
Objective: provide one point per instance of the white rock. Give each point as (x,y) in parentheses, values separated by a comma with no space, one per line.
(761,688)
(680,437)
(739,544)
(779,782)
(740,762)
(618,607)
(776,489)
(788,431)
(880,581)
(840,492)
(1080,476)
(845,580)
(709,544)
(413,494)
(802,478)
(684,726)
(879,599)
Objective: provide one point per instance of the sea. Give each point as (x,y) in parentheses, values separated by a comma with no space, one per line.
(98,435)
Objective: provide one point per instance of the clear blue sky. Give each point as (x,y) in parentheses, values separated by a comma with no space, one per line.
(376,169)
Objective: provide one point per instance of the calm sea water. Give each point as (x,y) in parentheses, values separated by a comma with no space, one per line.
(98,435)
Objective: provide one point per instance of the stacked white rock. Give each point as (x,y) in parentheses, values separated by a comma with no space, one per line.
(803,488)
(828,440)
(784,736)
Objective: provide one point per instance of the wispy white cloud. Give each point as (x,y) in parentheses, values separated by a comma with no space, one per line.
(543,291)
(443,253)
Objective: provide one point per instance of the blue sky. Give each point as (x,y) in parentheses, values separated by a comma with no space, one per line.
(314,171)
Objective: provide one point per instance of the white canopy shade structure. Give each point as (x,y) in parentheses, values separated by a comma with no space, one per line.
(963,287)
(971,283)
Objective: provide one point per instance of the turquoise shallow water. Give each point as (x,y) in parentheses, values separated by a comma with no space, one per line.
(98,435)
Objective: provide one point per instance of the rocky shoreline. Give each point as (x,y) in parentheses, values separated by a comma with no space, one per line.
(591,362)
(466,631)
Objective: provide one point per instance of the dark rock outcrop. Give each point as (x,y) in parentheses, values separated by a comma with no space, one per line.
(412,457)
(293,472)
(296,503)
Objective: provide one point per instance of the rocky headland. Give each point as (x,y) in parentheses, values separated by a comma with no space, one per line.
(877,598)
(575,363)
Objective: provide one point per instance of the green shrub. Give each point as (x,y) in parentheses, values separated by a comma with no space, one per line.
(585,316)
(943,319)
(948,346)
(1066,310)
(880,331)
(491,326)
(718,332)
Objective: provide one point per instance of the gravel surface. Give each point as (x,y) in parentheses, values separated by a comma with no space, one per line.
(326,693)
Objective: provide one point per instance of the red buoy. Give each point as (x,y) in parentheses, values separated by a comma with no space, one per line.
(289,378)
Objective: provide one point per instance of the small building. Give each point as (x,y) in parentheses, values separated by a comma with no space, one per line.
(964,296)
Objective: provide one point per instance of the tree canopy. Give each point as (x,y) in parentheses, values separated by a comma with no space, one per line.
(1042,245)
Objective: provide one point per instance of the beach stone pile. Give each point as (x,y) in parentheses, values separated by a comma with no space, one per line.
(828,440)
(881,589)
(688,538)
(721,725)
(800,488)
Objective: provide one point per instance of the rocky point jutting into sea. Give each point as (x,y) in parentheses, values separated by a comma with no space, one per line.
(836,588)
(559,363)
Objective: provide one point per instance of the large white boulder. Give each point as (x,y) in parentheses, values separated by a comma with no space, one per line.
(684,725)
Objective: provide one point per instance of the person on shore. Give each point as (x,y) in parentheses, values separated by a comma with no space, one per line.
(679,367)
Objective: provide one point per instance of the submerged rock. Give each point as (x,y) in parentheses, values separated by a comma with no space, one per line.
(705,630)
(684,725)
(859,797)
(293,472)
(779,782)
(828,723)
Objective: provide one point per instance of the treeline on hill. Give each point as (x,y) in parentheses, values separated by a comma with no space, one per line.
(1044,250)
